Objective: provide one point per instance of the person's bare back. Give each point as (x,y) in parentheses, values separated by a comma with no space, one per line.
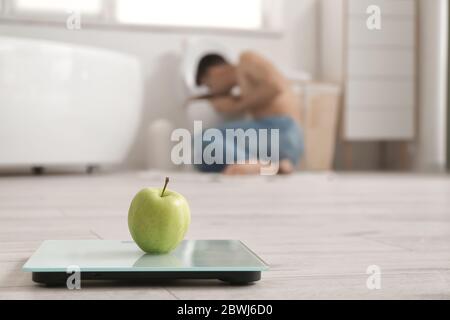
(257,73)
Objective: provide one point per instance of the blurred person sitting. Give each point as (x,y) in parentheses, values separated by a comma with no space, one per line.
(265,97)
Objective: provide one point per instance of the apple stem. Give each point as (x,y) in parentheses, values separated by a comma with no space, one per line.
(165,186)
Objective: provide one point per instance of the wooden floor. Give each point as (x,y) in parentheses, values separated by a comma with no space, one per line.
(319,233)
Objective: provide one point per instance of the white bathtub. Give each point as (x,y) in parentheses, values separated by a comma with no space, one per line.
(62,104)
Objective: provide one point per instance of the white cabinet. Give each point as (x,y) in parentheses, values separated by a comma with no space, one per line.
(380,71)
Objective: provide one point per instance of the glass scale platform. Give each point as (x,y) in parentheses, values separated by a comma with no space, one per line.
(227,260)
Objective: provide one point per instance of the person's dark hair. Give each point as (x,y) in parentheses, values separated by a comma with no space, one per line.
(208,61)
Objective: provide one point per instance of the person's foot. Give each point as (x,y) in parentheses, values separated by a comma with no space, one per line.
(242,169)
(285,167)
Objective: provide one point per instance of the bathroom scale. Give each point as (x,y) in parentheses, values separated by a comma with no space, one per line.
(226,260)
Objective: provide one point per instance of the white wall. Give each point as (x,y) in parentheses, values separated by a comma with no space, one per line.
(431,148)
(159,53)
(331,66)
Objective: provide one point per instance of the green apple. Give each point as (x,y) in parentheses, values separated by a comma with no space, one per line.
(158,219)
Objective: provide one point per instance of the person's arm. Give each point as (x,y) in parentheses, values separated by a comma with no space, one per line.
(227,104)
(265,85)
(199,98)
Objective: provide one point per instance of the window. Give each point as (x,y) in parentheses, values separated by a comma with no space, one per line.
(223,14)
(52,10)
(57,6)
(245,14)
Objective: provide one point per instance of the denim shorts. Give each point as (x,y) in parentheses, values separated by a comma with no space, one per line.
(290,144)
